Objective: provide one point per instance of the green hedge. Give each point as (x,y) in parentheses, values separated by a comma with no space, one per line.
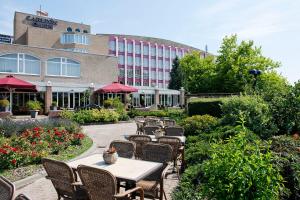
(203,106)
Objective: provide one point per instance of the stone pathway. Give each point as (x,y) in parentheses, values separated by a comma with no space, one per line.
(102,135)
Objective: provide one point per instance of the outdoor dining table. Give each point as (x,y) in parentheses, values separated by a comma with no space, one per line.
(123,169)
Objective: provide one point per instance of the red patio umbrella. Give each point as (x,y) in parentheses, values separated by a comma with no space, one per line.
(117,88)
(12,84)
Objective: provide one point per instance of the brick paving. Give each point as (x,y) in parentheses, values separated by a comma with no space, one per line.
(102,135)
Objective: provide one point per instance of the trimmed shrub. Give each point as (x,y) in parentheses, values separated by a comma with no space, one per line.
(199,124)
(203,106)
(250,111)
(91,116)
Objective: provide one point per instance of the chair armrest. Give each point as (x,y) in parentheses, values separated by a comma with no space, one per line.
(127,192)
(163,174)
(58,180)
(76,184)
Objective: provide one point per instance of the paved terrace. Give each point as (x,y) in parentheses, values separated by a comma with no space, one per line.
(102,135)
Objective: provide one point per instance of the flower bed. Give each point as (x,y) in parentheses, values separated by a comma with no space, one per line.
(35,143)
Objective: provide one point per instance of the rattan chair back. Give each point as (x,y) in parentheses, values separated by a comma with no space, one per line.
(169,122)
(22,197)
(149,130)
(125,149)
(100,184)
(139,118)
(140,141)
(174,142)
(61,176)
(7,189)
(174,131)
(139,127)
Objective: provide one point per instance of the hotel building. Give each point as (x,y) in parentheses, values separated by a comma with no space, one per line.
(64,60)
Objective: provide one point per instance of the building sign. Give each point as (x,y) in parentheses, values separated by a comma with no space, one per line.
(41,22)
(5,38)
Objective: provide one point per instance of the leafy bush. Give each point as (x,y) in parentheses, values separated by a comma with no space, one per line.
(108,103)
(35,143)
(199,124)
(91,116)
(288,160)
(33,105)
(10,127)
(203,106)
(251,111)
(240,169)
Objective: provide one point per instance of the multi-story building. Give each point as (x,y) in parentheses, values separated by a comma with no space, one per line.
(64,60)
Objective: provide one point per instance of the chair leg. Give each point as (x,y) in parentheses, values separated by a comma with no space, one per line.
(165,195)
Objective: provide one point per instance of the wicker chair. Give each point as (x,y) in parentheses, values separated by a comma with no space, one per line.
(139,118)
(7,190)
(174,131)
(125,149)
(175,143)
(169,122)
(140,141)
(64,180)
(102,185)
(149,130)
(22,197)
(153,185)
(139,127)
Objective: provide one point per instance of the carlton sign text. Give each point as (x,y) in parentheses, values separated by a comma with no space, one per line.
(41,22)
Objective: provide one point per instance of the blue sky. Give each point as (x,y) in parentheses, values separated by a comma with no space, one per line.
(272,24)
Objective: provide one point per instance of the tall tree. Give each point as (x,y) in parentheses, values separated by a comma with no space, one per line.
(176,75)
(198,73)
(234,62)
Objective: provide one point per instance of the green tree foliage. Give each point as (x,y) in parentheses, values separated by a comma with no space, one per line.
(251,111)
(198,73)
(234,62)
(241,169)
(176,75)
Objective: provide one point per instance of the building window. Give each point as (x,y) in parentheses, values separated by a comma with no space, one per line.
(153,51)
(121,46)
(70,38)
(146,50)
(160,52)
(137,61)
(138,83)
(160,64)
(129,47)
(129,60)
(69,29)
(167,64)
(112,45)
(146,74)
(20,63)
(153,75)
(167,74)
(167,53)
(63,67)
(153,62)
(130,73)
(138,49)
(173,53)
(122,72)
(77,50)
(160,75)
(146,62)
(137,73)
(180,53)
(121,59)
(77,30)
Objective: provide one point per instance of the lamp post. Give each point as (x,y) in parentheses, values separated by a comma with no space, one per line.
(255,73)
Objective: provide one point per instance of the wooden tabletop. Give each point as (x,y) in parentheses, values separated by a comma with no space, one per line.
(124,168)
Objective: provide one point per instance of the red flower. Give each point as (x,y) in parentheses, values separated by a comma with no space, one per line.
(33,154)
(36,129)
(3,151)
(13,161)
(33,143)
(13,149)
(79,136)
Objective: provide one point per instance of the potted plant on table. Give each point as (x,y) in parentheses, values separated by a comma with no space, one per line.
(34,107)
(4,104)
(110,156)
(54,105)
